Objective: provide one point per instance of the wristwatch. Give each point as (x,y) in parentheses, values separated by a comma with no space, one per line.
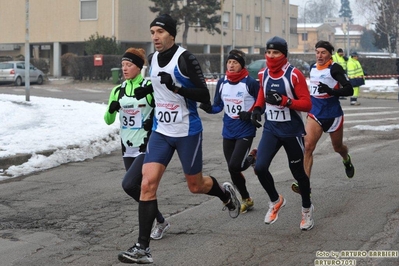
(289,102)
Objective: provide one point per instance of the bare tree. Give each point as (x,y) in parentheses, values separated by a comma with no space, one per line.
(315,11)
(384,14)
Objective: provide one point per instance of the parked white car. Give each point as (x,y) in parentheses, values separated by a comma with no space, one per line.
(14,72)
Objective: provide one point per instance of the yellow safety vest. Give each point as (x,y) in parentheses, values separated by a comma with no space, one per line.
(340,60)
(354,69)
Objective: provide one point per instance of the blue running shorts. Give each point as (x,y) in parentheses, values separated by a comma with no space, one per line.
(160,149)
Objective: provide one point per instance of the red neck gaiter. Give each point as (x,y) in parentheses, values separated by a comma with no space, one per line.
(236,76)
(276,64)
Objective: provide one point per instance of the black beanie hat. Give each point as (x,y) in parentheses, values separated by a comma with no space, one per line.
(340,50)
(326,45)
(277,43)
(166,22)
(238,56)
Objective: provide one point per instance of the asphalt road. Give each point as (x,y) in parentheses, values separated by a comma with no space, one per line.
(78,214)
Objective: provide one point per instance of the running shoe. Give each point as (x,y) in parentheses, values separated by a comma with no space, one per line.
(252,157)
(136,254)
(295,188)
(159,230)
(274,208)
(349,169)
(307,222)
(233,205)
(247,205)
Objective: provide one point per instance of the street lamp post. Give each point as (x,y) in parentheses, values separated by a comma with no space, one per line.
(347,35)
(27,53)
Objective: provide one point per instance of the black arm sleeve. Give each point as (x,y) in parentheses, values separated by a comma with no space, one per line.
(190,67)
(338,73)
(196,94)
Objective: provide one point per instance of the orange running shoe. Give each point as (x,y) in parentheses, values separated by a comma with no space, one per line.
(274,208)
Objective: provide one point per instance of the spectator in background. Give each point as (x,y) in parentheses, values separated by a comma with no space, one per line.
(339,58)
(356,76)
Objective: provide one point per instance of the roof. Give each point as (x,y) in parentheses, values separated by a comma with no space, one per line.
(352,31)
(308,25)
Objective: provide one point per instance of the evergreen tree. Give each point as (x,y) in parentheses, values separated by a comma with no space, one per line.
(345,11)
(198,14)
(101,45)
(367,41)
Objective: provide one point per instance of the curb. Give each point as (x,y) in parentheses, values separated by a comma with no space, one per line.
(19,159)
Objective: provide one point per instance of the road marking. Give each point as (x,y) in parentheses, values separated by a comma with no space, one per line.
(373,113)
(371,120)
(90,90)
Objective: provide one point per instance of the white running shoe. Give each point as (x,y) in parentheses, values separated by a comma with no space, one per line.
(233,205)
(136,254)
(159,229)
(307,222)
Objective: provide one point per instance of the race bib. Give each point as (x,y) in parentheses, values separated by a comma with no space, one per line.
(168,113)
(131,118)
(232,106)
(314,90)
(277,113)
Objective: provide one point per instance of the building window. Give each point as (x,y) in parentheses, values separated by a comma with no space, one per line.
(267,24)
(304,36)
(293,24)
(257,24)
(238,21)
(247,23)
(88,9)
(226,20)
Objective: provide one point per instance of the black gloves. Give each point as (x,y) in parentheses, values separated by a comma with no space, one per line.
(245,115)
(323,88)
(141,92)
(256,116)
(114,106)
(166,79)
(207,107)
(147,124)
(273,97)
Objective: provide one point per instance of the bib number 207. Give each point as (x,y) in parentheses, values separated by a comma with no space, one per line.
(167,117)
